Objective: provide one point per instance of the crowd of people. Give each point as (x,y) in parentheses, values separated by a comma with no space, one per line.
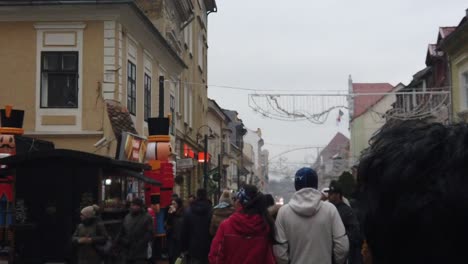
(410,208)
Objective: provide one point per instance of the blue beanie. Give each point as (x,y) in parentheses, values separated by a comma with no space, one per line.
(242,197)
(305,178)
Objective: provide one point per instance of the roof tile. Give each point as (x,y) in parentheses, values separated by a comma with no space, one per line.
(120,118)
(362,103)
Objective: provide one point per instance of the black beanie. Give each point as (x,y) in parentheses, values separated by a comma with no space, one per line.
(305,178)
(138,202)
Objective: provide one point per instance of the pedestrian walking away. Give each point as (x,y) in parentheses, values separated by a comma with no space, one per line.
(89,234)
(308,229)
(273,208)
(222,211)
(248,235)
(136,234)
(350,222)
(196,237)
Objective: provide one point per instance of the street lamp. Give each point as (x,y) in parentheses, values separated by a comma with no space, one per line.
(241,131)
(205,157)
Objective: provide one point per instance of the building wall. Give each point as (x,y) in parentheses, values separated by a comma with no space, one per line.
(366,125)
(459,66)
(18,45)
(93,71)
(232,170)
(253,138)
(249,163)
(190,87)
(18,68)
(215,144)
(264,170)
(104,56)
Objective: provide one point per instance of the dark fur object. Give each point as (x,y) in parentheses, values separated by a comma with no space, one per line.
(414,191)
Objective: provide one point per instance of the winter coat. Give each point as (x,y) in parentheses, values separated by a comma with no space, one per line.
(273,210)
(196,237)
(243,239)
(310,231)
(174,234)
(220,213)
(353,231)
(134,236)
(94,229)
(174,224)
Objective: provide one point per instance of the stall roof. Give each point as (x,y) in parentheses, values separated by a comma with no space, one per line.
(130,168)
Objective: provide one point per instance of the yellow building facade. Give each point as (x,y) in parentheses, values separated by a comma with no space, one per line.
(456,46)
(82,71)
(184,24)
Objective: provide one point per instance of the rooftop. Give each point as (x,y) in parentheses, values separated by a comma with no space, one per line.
(362,103)
(445,31)
(120,119)
(338,143)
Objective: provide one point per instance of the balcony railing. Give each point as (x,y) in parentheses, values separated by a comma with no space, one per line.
(431,103)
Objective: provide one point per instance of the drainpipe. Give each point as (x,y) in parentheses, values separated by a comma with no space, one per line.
(161,96)
(450,109)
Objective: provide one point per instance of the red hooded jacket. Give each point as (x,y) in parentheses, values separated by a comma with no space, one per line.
(243,239)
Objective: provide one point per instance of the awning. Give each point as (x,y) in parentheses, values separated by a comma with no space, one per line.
(79,158)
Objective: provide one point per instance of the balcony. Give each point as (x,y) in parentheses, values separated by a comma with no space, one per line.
(432,104)
(184,8)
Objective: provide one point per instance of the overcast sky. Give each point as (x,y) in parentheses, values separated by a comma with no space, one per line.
(304,44)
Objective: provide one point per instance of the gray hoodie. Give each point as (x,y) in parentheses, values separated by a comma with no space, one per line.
(310,231)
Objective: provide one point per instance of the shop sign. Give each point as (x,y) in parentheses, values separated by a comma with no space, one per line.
(185,163)
(132,148)
(188,152)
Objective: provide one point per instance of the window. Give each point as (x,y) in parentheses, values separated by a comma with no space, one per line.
(131,88)
(203,14)
(201,51)
(465,87)
(147,82)
(188,38)
(177,99)
(227,144)
(172,106)
(186,35)
(59,80)
(188,105)
(190,43)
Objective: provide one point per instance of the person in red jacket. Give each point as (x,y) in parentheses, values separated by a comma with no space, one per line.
(247,236)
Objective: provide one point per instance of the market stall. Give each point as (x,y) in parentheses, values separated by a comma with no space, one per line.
(51,187)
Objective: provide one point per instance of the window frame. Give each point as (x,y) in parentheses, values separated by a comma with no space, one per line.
(59,72)
(147,96)
(186,104)
(131,98)
(172,102)
(190,99)
(201,51)
(203,13)
(465,87)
